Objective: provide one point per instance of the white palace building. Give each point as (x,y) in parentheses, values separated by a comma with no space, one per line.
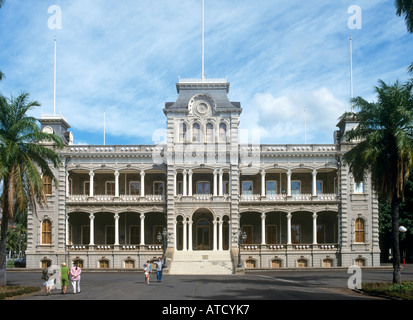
(204,198)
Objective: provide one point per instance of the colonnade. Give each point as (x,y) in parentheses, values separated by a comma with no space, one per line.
(116,220)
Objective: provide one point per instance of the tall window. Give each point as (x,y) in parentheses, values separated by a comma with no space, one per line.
(319,185)
(271,187)
(222,132)
(358,187)
(46,232)
(134,187)
(359,231)
(295,187)
(47,185)
(110,235)
(134,234)
(225,187)
(158,188)
(202,187)
(209,132)
(182,132)
(296,233)
(247,187)
(110,188)
(196,133)
(86,188)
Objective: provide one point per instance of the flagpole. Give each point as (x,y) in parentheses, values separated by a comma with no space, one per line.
(54,82)
(305,126)
(351,71)
(104,127)
(203,39)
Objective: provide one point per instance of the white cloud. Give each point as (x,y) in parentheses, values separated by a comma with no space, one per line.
(300,117)
(125,57)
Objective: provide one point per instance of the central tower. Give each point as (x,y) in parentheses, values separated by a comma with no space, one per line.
(202,161)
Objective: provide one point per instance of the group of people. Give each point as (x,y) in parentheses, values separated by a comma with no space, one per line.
(59,278)
(148,270)
(55,278)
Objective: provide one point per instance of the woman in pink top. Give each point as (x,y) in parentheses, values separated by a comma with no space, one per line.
(75,272)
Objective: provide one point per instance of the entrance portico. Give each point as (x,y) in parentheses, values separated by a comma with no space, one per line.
(202,231)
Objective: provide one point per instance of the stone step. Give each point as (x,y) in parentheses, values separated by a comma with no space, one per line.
(201,262)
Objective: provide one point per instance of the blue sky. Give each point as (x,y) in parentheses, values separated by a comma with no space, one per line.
(125,57)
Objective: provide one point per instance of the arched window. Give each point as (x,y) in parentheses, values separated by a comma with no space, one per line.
(182,132)
(196,133)
(359,231)
(222,132)
(46,232)
(209,132)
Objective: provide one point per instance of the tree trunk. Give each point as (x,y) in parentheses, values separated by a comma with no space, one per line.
(395,239)
(3,255)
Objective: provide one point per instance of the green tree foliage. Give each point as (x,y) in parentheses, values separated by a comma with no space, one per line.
(23,161)
(383,148)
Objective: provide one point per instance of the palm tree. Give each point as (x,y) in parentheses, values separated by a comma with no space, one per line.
(1,73)
(23,161)
(384,149)
(405,7)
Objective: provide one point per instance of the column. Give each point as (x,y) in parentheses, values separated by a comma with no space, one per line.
(142,183)
(289,183)
(116,229)
(314,228)
(215,235)
(263,228)
(67,231)
(67,184)
(92,229)
(220,240)
(190,235)
(175,236)
(91,175)
(289,216)
(221,173)
(190,183)
(215,182)
(263,191)
(184,226)
(184,174)
(142,229)
(175,184)
(314,182)
(116,183)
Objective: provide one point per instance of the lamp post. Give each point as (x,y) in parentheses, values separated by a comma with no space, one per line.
(163,236)
(242,236)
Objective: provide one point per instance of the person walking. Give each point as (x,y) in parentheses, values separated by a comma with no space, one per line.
(48,280)
(159,266)
(148,270)
(75,272)
(64,276)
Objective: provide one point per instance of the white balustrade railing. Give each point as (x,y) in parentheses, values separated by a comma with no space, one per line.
(112,198)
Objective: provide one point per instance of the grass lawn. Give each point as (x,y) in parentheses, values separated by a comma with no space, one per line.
(388,289)
(9,292)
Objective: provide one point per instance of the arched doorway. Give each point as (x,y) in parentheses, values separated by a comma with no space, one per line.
(202,230)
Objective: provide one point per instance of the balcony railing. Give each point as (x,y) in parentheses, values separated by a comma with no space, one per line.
(284,197)
(291,247)
(112,199)
(121,247)
(201,198)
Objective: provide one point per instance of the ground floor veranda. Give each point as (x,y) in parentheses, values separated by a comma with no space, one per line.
(202,230)
(126,240)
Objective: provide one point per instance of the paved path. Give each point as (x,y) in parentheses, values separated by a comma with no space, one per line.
(264,285)
(239,296)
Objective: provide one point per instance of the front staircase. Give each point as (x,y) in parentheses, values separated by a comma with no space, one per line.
(201,262)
